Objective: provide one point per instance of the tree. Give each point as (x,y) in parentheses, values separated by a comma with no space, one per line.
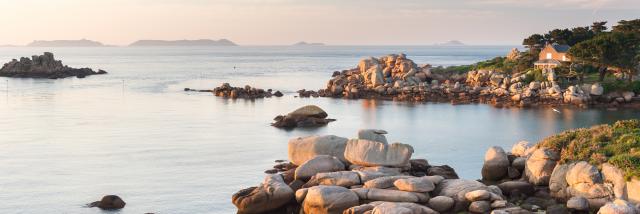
(624,26)
(533,41)
(580,34)
(598,27)
(560,36)
(611,49)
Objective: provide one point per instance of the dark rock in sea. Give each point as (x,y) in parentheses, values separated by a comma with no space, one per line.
(306,116)
(278,94)
(248,92)
(109,202)
(43,66)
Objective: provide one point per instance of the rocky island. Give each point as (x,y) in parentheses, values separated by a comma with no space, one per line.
(43,66)
(65,43)
(577,171)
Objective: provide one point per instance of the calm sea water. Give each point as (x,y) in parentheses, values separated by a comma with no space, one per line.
(135,133)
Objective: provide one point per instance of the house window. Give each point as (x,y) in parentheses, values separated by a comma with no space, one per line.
(548,55)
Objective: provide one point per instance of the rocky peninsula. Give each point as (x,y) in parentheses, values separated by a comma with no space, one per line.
(43,66)
(577,171)
(395,77)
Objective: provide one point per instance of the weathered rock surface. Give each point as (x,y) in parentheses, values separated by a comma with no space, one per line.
(318,164)
(391,195)
(540,166)
(306,116)
(578,203)
(328,200)
(401,208)
(271,195)
(109,202)
(302,149)
(370,153)
(376,135)
(342,178)
(617,207)
(495,164)
(418,184)
(370,173)
(479,207)
(456,189)
(43,66)
(441,203)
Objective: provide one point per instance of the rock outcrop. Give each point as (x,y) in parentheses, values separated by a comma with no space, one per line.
(373,177)
(43,66)
(395,77)
(306,116)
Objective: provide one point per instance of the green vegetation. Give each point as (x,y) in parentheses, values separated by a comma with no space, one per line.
(617,144)
(534,75)
(612,86)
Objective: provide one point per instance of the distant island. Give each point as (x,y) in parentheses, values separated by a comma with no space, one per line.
(199,42)
(452,43)
(308,44)
(65,43)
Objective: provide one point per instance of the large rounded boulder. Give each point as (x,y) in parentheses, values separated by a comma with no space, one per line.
(302,149)
(370,153)
(495,164)
(271,195)
(318,164)
(328,200)
(540,165)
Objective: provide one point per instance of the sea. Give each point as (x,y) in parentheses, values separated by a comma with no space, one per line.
(136,133)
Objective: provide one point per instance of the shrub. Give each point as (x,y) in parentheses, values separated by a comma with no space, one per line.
(615,85)
(617,144)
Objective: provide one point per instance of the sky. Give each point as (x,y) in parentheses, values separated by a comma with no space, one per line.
(283,22)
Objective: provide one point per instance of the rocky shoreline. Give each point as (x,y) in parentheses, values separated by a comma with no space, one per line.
(43,66)
(395,77)
(367,175)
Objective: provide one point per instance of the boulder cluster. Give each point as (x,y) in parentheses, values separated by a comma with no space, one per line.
(394,77)
(367,175)
(246,92)
(534,174)
(43,66)
(306,116)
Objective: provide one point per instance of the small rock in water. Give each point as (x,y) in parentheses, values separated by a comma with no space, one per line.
(306,116)
(109,202)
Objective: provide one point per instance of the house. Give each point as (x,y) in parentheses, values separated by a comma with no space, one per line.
(552,56)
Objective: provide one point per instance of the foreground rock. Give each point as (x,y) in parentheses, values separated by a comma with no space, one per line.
(43,66)
(371,153)
(109,202)
(271,195)
(306,116)
(566,173)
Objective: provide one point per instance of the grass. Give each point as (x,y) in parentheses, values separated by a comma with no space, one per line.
(617,144)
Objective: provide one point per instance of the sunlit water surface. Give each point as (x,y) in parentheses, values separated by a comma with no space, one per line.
(135,133)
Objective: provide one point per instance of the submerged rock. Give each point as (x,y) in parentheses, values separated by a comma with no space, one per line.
(43,66)
(306,116)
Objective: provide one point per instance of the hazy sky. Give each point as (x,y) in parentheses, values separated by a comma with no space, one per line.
(274,22)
